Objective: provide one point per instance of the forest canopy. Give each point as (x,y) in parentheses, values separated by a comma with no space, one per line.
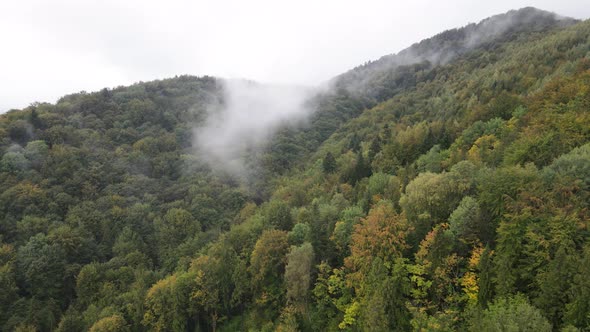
(428,196)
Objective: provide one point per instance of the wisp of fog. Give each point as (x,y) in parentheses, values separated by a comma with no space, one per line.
(247,116)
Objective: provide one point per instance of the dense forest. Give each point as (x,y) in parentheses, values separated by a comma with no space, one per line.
(443,188)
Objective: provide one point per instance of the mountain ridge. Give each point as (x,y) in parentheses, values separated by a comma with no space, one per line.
(447,45)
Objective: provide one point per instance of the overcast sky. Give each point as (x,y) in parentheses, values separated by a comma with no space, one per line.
(53,48)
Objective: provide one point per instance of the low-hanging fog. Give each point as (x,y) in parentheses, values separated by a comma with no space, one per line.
(247,116)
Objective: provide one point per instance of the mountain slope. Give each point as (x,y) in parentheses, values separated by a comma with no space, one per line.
(366,86)
(447,194)
(449,45)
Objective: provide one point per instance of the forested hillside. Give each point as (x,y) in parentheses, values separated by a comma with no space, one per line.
(443,188)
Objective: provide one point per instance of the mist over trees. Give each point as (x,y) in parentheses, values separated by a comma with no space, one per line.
(429,195)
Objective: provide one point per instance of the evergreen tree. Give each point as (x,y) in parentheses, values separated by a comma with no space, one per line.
(329,163)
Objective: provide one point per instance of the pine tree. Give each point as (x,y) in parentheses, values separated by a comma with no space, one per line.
(329,163)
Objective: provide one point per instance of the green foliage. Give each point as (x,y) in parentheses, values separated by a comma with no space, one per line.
(14,162)
(278,214)
(430,198)
(297,275)
(485,289)
(361,169)
(509,314)
(464,221)
(177,225)
(267,266)
(299,234)
(432,161)
(167,303)
(41,267)
(329,163)
(8,288)
(383,304)
(343,229)
(576,311)
(110,324)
